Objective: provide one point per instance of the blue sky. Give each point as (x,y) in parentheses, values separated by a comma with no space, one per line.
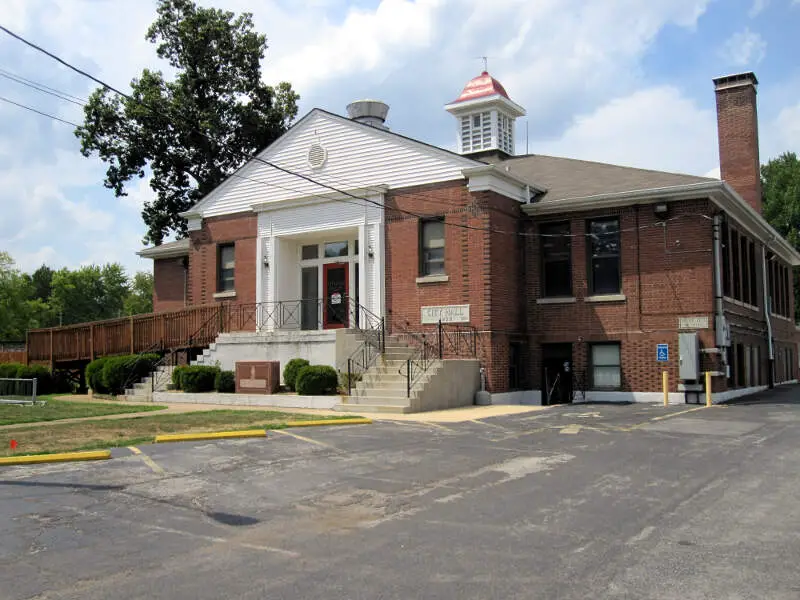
(621,81)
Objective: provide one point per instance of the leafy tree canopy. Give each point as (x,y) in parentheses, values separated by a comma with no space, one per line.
(194,130)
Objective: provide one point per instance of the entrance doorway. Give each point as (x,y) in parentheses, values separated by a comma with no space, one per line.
(335,278)
(556,374)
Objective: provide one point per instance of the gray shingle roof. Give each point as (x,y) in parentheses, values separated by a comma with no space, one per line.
(168,250)
(571,178)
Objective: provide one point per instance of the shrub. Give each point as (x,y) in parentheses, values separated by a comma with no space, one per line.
(120,371)
(317,380)
(353,379)
(94,375)
(199,378)
(45,383)
(10,370)
(177,375)
(291,370)
(225,382)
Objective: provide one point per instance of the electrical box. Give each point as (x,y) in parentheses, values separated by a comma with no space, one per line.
(689,354)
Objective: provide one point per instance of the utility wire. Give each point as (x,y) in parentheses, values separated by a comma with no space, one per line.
(289,171)
(41,87)
(44,114)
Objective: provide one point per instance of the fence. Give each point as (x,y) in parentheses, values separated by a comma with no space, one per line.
(12,357)
(17,391)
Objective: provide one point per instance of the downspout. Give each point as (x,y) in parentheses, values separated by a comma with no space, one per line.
(719,310)
(767,302)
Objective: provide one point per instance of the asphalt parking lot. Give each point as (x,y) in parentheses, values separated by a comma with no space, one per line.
(584,501)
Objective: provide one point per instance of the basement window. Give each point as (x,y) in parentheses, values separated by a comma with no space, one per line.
(226,266)
(606,366)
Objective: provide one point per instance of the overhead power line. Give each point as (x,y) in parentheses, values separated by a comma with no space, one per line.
(41,87)
(289,171)
(39,112)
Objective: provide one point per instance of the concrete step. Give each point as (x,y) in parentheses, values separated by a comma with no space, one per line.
(396,400)
(382,393)
(372,408)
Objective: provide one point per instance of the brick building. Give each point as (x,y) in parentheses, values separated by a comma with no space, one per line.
(570,273)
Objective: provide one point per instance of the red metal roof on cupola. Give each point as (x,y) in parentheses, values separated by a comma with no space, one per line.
(480,87)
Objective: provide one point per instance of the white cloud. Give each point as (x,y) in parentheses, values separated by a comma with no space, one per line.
(744,48)
(786,130)
(656,128)
(758,7)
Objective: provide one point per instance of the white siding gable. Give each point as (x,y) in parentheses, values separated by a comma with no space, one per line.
(358,156)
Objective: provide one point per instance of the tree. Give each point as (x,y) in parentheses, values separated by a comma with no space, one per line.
(42,281)
(19,311)
(140,298)
(89,294)
(194,131)
(780,182)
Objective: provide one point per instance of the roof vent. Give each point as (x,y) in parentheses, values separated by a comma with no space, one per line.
(369,112)
(317,155)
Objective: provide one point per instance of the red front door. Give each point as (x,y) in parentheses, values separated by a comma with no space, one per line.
(335,278)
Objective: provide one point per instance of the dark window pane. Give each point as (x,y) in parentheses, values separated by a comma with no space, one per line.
(604,257)
(726,260)
(743,260)
(309,316)
(556,247)
(334,249)
(226,265)
(310,252)
(432,247)
(737,274)
(605,275)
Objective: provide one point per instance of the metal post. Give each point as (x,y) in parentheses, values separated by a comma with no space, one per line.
(35,381)
(665,384)
(408,378)
(349,378)
(708,389)
(441,353)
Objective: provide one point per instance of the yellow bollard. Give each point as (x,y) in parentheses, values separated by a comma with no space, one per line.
(665,383)
(708,388)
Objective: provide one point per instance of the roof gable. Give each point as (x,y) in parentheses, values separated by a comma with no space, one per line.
(354,156)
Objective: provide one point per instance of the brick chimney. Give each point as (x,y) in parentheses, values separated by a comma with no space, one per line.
(737,127)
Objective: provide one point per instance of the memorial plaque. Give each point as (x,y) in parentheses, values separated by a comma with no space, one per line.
(258,377)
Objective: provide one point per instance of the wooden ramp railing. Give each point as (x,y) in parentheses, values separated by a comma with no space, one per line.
(195,326)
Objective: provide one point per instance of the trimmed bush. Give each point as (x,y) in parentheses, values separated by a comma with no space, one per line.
(94,375)
(225,382)
(177,375)
(121,371)
(291,370)
(353,379)
(45,383)
(10,370)
(317,380)
(199,379)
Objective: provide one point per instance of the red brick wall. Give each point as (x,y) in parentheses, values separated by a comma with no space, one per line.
(169,280)
(666,273)
(737,123)
(483,268)
(240,229)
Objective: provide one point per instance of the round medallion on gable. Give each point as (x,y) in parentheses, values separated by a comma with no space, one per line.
(317,155)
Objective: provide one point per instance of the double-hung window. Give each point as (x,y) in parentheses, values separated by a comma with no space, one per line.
(226,266)
(556,246)
(606,366)
(603,244)
(431,250)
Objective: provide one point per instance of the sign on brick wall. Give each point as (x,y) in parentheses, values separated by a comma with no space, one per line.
(692,322)
(453,313)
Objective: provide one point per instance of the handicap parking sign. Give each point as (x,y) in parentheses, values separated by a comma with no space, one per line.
(662,352)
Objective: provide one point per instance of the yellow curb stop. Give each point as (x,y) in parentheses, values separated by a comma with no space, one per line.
(328,422)
(54,458)
(215,435)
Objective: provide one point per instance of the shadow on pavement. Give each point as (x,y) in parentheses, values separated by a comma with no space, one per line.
(782,395)
(80,486)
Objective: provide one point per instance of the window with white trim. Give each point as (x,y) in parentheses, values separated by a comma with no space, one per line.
(431,247)
(476,132)
(606,366)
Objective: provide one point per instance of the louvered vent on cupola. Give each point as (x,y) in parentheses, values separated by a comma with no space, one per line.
(317,155)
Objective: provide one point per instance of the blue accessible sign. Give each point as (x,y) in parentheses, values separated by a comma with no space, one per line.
(662,352)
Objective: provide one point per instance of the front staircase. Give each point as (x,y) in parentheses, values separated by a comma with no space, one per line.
(384,387)
(157,381)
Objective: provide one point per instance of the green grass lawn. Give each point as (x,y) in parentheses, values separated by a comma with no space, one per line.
(65,409)
(107,433)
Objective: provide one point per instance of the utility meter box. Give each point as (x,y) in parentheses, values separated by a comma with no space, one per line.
(689,356)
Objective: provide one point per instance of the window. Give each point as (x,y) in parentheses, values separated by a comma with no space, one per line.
(726,260)
(309,252)
(743,260)
(334,249)
(753,275)
(556,259)
(432,247)
(226,263)
(737,274)
(606,369)
(604,257)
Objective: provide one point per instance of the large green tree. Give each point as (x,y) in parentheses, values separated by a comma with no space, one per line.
(19,309)
(90,293)
(780,182)
(195,129)
(140,298)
